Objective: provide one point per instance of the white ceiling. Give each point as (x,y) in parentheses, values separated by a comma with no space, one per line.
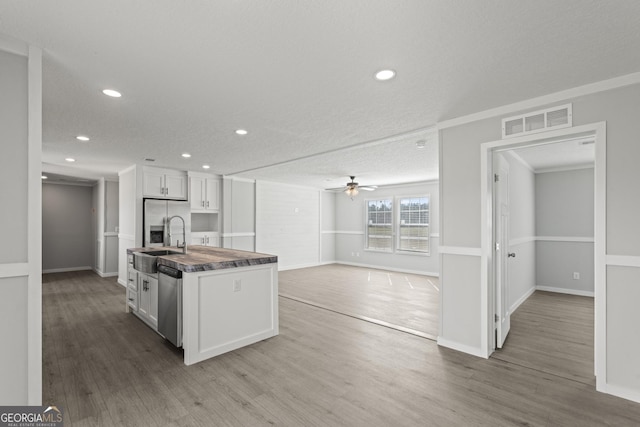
(573,153)
(299,77)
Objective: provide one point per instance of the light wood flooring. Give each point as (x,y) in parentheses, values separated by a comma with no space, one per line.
(106,368)
(553,333)
(404,301)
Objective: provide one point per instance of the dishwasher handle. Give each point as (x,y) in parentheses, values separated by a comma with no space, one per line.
(170,271)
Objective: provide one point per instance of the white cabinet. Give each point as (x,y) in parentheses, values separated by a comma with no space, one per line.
(204,193)
(164,183)
(148,299)
(132,286)
(205,239)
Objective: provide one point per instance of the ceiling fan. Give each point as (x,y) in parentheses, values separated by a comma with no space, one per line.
(352,189)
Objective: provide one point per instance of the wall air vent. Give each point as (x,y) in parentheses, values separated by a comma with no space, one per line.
(537,121)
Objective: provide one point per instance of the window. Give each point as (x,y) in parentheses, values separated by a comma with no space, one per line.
(380,225)
(413,227)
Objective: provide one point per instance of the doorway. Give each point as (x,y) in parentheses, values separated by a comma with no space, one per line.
(495,258)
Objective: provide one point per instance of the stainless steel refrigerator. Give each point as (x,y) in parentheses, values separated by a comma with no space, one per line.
(157,229)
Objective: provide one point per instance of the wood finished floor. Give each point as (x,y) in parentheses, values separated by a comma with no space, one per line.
(106,368)
(398,299)
(553,333)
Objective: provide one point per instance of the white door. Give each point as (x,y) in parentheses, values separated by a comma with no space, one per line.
(501,247)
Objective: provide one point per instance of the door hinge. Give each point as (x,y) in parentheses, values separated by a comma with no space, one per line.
(496,177)
(497,246)
(496,318)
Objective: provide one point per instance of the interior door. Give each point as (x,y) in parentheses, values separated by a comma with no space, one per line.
(501,247)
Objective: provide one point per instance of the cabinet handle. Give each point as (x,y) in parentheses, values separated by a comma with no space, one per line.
(130,299)
(207,203)
(202,203)
(207,240)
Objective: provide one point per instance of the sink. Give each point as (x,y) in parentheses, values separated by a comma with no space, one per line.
(146,262)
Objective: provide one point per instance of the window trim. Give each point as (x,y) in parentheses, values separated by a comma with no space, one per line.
(398,200)
(395,226)
(366,225)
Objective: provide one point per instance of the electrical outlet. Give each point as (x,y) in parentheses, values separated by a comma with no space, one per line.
(237,285)
(353,254)
(357,253)
(576,276)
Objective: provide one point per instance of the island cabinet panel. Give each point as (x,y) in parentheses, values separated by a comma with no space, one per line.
(227,309)
(148,299)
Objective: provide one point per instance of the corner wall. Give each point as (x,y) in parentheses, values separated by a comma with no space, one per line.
(350,218)
(21,188)
(461,323)
(288,224)
(565,234)
(67,228)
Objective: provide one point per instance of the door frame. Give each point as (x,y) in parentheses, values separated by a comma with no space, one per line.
(487,284)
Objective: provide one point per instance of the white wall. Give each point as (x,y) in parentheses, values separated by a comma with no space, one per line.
(21,256)
(288,224)
(128,217)
(328,227)
(350,217)
(564,226)
(461,228)
(67,228)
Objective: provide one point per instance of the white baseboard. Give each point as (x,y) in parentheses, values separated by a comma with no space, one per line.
(619,391)
(101,274)
(64,270)
(474,351)
(565,291)
(295,267)
(122,282)
(522,299)
(382,267)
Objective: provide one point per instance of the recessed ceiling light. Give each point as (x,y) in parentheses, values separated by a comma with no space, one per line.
(70,160)
(44,177)
(205,166)
(82,138)
(186,155)
(112,93)
(385,74)
(421,144)
(241,132)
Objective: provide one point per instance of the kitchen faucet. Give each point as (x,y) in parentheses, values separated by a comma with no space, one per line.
(184,234)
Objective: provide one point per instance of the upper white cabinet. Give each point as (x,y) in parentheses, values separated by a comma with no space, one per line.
(164,183)
(204,193)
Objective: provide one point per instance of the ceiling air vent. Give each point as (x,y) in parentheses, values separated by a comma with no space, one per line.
(537,121)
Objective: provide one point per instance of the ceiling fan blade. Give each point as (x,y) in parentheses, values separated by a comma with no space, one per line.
(368,187)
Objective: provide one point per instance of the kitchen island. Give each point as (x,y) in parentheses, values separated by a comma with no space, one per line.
(229,298)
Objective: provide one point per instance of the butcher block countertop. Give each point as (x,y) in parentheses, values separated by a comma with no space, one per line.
(206,258)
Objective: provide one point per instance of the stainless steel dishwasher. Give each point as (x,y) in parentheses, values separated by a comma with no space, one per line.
(170,304)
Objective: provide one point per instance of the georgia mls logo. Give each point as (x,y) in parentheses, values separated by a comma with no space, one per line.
(30,416)
(55,416)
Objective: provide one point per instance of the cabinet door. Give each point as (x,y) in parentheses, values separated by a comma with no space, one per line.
(198,239)
(132,279)
(132,299)
(153,184)
(176,186)
(197,193)
(211,239)
(144,299)
(153,300)
(212,199)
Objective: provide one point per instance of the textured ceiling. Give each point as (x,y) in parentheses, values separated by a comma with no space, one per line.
(299,77)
